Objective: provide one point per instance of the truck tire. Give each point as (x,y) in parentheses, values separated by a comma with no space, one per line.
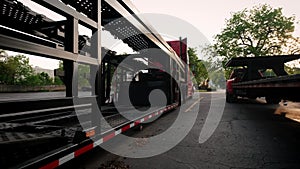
(272,100)
(230,98)
(252,97)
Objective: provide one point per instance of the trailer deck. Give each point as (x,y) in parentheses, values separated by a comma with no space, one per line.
(31,135)
(272,82)
(248,81)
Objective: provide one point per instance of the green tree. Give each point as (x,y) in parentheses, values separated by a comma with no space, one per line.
(259,31)
(32,80)
(3,54)
(14,69)
(83,75)
(58,81)
(39,79)
(45,78)
(292,68)
(60,65)
(218,79)
(197,66)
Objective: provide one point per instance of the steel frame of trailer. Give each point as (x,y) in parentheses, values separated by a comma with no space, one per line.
(281,86)
(22,42)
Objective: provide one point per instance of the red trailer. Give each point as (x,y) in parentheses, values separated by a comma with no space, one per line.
(180,47)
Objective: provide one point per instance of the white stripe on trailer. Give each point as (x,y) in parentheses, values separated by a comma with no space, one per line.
(66,158)
(82,150)
(131,125)
(118,132)
(97,143)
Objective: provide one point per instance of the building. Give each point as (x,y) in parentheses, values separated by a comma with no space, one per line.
(50,72)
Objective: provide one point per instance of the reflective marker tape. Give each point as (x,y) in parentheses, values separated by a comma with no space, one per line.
(84,149)
(118,132)
(97,143)
(66,158)
(51,165)
(108,137)
(125,128)
(131,125)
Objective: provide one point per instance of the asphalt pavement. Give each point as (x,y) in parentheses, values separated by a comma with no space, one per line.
(37,95)
(249,134)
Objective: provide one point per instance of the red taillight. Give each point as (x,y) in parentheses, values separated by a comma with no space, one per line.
(229,86)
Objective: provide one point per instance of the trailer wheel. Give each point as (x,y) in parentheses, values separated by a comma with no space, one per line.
(272,100)
(252,97)
(230,98)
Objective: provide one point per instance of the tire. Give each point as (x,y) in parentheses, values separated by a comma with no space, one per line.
(272,100)
(252,97)
(230,98)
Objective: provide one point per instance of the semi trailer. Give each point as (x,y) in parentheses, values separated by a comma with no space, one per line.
(263,76)
(45,132)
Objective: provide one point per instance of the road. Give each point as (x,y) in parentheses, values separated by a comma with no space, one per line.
(251,134)
(37,95)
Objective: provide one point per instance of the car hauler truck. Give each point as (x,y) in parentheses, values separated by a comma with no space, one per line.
(45,132)
(180,47)
(263,76)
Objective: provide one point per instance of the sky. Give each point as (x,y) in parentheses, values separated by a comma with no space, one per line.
(208,17)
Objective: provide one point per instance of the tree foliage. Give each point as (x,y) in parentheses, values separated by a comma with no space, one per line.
(38,79)
(197,66)
(259,31)
(83,75)
(204,71)
(292,68)
(217,78)
(16,70)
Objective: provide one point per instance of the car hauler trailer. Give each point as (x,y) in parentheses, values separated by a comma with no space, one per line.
(180,47)
(262,77)
(45,132)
